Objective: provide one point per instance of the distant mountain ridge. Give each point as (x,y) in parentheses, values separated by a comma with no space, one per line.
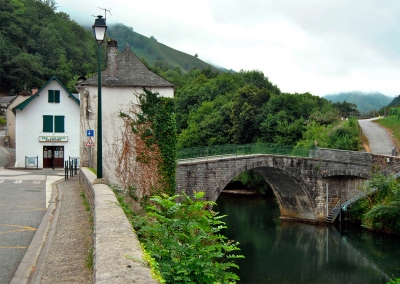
(156,53)
(365,102)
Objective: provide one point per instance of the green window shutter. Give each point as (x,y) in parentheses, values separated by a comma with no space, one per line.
(51,96)
(59,123)
(47,123)
(57,96)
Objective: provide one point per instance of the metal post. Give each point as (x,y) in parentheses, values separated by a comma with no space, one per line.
(99,130)
(327,204)
(90,156)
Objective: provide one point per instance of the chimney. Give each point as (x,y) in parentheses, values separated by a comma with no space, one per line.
(112,68)
(34,90)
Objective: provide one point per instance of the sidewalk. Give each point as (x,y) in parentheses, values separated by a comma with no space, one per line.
(63,242)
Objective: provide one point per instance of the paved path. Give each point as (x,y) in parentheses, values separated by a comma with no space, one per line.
(379,140)
(63,260)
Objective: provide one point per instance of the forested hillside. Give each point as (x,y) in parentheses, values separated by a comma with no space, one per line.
(365,102)
(155,53)
(37,43)
(395,102)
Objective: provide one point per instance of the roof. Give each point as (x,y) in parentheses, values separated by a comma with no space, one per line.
(4,101)
(22,105)
(131,73)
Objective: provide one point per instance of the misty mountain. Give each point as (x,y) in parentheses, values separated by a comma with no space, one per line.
(365,101)
(154,52)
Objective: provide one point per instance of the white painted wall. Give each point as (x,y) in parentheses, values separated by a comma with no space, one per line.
(11,119)
(29,124)
(114,100)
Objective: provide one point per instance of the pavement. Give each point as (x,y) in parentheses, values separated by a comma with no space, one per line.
(379,140)
(62,245)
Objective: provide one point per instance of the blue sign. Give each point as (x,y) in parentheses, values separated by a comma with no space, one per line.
(90,133)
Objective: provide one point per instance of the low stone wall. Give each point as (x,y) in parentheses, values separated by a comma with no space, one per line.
(117,256)
(343,156)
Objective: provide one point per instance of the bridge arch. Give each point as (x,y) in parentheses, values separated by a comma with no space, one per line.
(288,187)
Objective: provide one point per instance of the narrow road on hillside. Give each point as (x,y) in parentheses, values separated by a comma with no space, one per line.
(380,141)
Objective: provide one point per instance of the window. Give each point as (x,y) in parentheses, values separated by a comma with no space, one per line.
(54,96)
(54,123)
(47,123)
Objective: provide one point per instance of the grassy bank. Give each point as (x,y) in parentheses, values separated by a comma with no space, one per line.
(393,124)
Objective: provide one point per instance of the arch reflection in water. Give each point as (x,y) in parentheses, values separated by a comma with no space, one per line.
(278,251)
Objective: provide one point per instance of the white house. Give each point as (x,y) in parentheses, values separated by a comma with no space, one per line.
(47,127)
(10,131)
(122,80)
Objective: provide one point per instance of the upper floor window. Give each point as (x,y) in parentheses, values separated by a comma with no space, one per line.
(54,123)
(54,96)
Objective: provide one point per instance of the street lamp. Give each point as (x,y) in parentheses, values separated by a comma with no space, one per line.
(99,28)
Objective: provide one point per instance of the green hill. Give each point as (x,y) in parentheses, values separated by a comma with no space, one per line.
(153,52)
(395,102)
(365,101)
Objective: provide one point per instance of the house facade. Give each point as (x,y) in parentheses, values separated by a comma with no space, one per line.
(47,127)
(10,115)
(122,81)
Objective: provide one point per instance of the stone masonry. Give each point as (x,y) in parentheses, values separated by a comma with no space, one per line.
(301,185)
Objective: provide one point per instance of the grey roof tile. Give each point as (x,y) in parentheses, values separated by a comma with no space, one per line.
(131,73)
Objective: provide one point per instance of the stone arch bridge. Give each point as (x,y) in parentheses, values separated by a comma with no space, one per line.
(307,189)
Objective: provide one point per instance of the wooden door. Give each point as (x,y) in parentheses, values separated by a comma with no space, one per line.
(58,156)
(48,156)
(53,154)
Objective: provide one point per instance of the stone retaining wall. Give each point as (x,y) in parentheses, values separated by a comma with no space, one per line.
(117,256)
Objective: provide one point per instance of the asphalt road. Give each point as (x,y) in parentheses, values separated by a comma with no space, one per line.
(23,201)
(379,140)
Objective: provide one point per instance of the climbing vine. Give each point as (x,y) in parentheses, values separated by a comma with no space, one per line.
(149,135)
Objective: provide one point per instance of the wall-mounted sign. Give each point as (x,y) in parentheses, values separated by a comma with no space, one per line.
(90,133)
(53,138)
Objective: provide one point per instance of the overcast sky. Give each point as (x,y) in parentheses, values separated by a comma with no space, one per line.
(317,46)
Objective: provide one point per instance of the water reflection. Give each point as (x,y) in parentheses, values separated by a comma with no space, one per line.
(286,252)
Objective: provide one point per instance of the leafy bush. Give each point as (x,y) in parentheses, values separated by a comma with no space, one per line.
(2,120)
(183,238)
(381,210)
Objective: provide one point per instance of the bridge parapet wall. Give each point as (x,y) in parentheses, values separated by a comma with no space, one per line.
(342,156)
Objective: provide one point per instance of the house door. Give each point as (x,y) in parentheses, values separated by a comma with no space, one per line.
(53,154)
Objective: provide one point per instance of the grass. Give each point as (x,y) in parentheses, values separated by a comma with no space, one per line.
(392,123)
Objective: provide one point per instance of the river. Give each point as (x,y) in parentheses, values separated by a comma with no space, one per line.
(278,251)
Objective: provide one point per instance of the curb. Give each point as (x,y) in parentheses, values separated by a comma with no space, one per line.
(31,265)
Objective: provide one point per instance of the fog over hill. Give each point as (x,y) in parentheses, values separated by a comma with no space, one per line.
(365,101)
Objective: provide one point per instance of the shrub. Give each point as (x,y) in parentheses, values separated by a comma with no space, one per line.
(183,238)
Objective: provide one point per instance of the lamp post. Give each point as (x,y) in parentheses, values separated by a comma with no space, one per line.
(99,28)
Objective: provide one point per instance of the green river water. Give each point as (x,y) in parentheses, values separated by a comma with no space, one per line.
(279,251)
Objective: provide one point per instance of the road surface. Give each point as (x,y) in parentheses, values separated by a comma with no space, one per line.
(24,196)
(379,140)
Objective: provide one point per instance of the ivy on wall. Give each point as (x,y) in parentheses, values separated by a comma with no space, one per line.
(149,136)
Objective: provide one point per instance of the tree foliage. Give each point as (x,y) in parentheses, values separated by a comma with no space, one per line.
(37,43)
